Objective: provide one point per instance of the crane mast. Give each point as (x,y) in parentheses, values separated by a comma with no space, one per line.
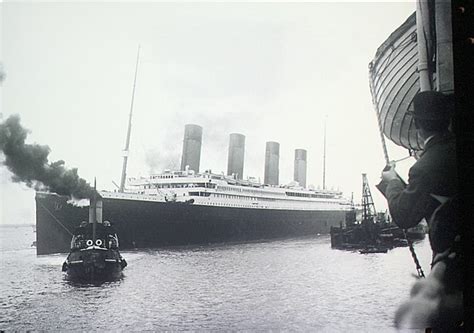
(368,207)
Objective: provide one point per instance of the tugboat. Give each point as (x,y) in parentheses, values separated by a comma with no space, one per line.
(94,255)
(371,249)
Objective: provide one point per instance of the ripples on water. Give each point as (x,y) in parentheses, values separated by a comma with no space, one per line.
(296,285)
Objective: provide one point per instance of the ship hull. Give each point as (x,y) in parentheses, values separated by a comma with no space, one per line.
(358,236)
(94,266)
(142,224)
(93,273)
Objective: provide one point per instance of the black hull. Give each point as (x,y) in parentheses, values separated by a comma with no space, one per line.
(142,224)
(358,236)
(376,250)
(92,273)
(91,266)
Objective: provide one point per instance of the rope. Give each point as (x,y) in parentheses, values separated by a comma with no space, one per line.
(413,254)
(54,217)
(387,160)
(379,121)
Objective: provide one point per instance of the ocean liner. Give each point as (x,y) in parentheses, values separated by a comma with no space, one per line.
(188,207)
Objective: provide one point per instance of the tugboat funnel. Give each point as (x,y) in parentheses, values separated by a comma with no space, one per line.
(98,211)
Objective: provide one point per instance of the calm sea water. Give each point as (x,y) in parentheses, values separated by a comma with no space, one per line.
(289,285)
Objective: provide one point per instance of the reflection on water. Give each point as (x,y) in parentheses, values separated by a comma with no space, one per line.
(297,284)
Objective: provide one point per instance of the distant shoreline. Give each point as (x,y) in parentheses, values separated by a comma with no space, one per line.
(9,225)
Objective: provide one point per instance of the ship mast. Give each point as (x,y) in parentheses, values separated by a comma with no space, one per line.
(127,140)
(324,155)
(94,212)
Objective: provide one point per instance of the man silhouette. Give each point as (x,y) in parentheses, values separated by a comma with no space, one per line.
(431,194)
(432,179)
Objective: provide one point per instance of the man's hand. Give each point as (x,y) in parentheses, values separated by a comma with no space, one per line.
(389,174)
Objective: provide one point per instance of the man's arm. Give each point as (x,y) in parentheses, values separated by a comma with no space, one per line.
(409,204)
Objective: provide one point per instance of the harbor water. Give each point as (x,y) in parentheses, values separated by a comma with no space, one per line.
(289,285)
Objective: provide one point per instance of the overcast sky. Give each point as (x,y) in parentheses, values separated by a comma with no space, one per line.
(270,71)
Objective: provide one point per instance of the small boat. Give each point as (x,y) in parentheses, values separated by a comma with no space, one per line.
(373,250)
(394,82)
(415,57)
(94,260)
(94,255)
(400,242)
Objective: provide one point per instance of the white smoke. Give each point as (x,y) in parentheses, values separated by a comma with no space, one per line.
(79,202)
(158,159)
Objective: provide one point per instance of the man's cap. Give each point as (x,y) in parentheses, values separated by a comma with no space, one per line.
(433,105)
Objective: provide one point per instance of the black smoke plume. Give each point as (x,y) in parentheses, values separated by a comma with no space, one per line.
(29,163)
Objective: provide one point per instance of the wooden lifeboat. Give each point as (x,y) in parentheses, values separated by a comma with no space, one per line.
(394,82)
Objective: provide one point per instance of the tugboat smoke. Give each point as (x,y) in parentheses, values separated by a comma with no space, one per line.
(29,163)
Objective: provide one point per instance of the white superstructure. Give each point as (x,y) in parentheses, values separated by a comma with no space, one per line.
(211,189)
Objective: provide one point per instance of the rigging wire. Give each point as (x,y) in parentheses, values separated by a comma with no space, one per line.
(55,218)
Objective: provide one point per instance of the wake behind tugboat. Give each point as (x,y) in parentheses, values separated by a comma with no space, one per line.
(94,255)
